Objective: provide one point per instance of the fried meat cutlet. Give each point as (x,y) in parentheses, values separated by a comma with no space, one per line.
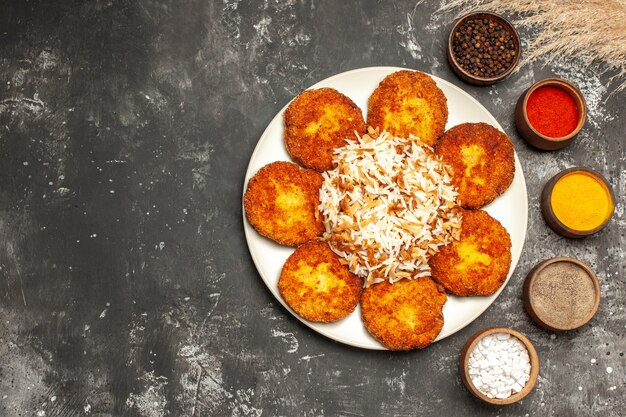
(317,286)
(482,161)
(405,315)
(317,122)
(409,102)
(281,203)
(477,263)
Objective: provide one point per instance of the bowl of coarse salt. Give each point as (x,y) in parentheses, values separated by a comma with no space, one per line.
(499,365)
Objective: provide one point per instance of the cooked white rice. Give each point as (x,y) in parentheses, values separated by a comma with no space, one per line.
(388,206)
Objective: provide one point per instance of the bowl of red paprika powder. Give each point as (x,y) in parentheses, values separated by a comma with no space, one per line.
(550,114)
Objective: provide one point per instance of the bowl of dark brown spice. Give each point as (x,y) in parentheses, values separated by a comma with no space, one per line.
(483,48)
(561,294)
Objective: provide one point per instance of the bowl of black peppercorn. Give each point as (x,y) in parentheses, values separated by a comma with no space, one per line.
(483,48)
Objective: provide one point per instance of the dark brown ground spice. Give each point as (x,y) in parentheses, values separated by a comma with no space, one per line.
(563,295)
(484,47)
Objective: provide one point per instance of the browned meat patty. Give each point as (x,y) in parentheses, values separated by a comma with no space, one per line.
(482,161)
(478,263)
(405,315)
(408,102)
(317,286)
(317,122)
(281,203)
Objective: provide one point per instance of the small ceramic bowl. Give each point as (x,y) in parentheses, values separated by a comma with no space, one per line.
(566,321)
(528,132)
(468,77)
(464,365)
(551,219)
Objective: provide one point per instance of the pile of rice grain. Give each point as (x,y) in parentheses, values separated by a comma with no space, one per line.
(388,206)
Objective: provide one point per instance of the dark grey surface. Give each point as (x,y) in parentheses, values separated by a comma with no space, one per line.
(126,287)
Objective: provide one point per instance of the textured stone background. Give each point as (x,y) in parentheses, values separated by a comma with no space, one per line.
(126,287)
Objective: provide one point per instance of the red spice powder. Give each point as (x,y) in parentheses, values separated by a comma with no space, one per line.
(552,111)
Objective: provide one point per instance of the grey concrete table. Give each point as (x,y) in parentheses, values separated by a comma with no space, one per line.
(126,287)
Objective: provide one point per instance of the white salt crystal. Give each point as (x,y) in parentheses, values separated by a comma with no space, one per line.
(504,394)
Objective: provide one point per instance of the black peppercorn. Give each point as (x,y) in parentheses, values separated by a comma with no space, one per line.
(483,47)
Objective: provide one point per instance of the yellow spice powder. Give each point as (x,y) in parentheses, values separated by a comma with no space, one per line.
(581,201)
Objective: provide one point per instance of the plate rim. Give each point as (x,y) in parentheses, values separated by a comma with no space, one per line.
(515,257)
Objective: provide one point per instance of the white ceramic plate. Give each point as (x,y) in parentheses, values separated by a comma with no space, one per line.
(511,208)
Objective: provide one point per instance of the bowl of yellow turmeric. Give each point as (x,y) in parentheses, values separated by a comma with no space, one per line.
(577,202)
